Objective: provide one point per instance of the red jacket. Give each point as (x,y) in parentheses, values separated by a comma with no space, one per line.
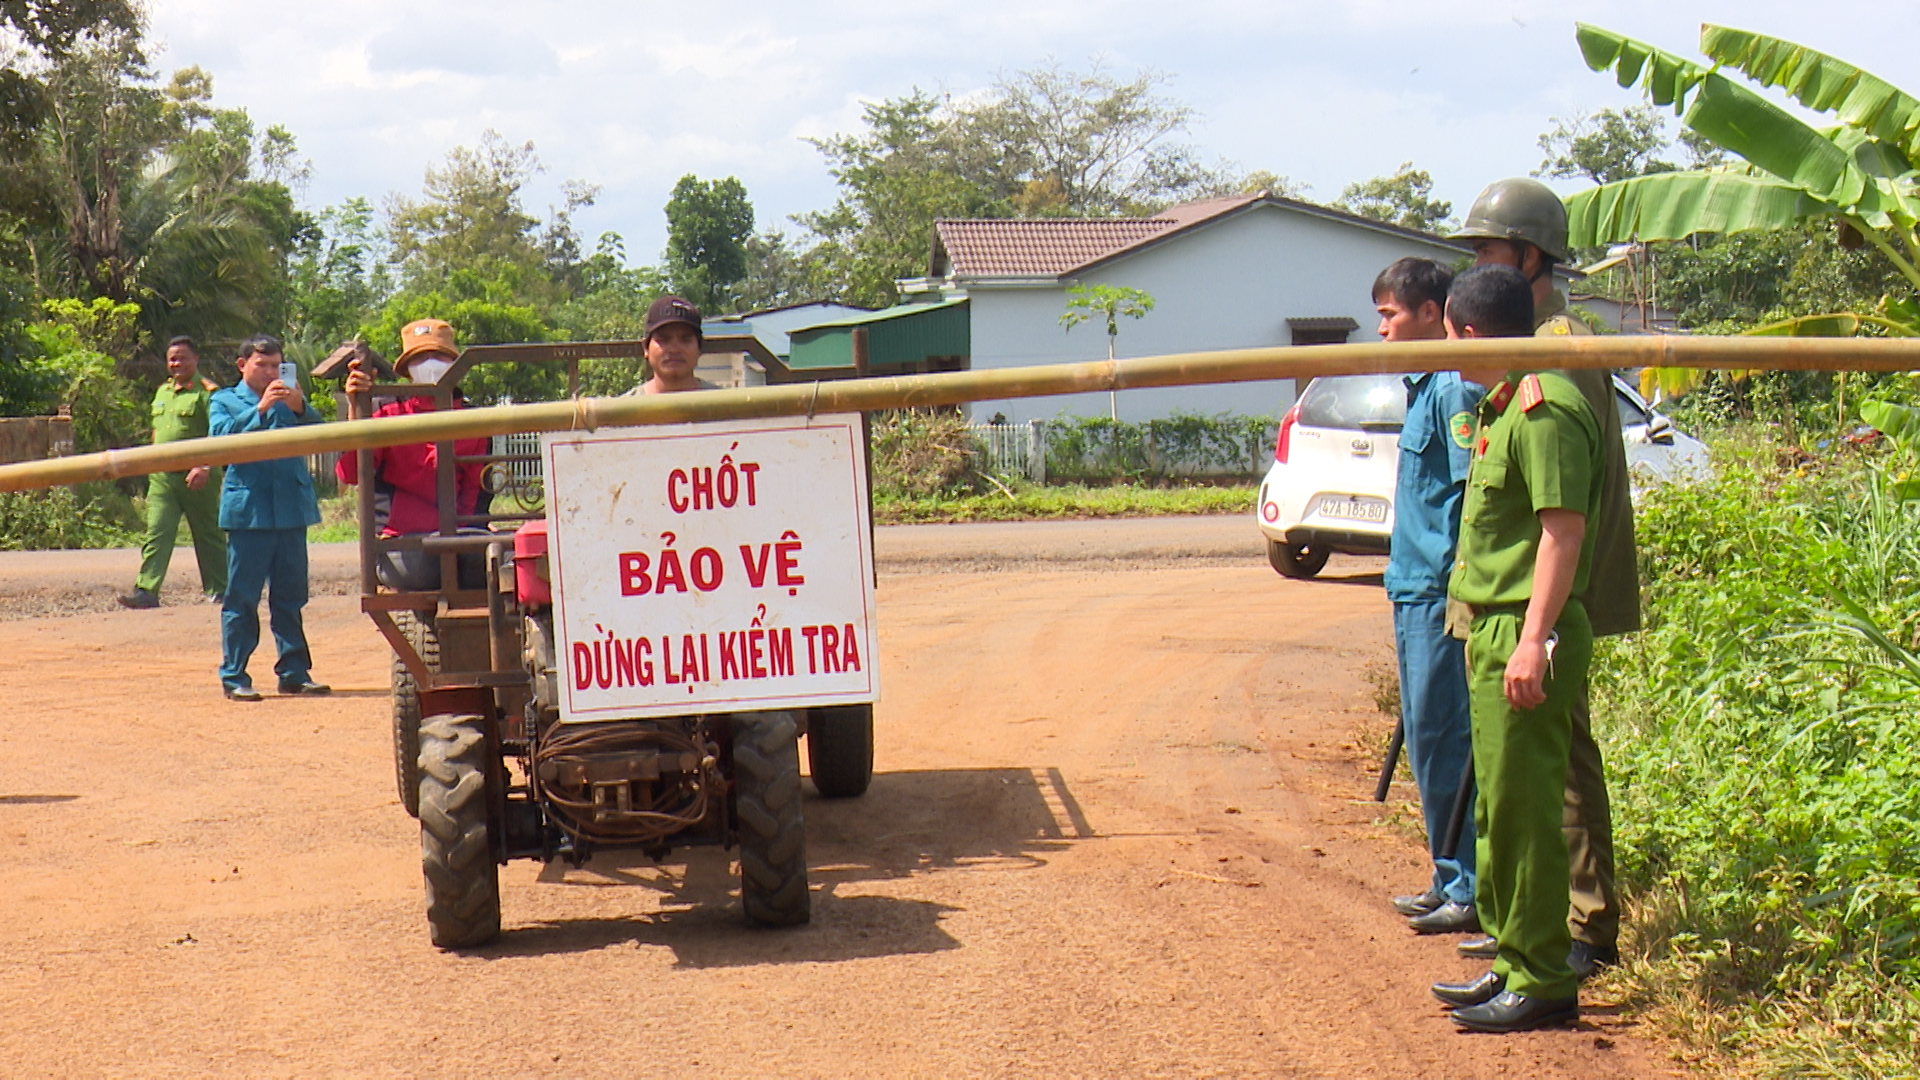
(407,477)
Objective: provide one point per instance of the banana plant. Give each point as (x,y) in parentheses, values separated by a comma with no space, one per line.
(1858,173)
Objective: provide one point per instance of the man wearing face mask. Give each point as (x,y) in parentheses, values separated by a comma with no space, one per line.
(406,478)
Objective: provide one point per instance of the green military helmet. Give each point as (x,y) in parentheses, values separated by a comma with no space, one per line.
(1519,209)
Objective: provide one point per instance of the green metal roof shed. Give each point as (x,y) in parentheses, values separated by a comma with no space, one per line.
(906,337)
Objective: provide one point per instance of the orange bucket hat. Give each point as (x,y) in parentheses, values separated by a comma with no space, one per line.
(424,336)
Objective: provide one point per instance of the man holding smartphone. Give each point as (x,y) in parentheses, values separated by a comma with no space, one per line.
(266,507)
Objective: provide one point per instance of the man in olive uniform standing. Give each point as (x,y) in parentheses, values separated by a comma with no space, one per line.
(180,412)
(1525,559)
(1521,223)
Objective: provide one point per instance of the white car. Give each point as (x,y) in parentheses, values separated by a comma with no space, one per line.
(1331,485)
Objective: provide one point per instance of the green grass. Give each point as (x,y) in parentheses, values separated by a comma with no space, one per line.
(1765,774)
(1043,503)
(339,520)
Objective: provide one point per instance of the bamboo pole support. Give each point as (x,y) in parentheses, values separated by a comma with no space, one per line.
(953,388)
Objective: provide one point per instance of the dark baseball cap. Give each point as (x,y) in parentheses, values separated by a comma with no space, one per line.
(672,309)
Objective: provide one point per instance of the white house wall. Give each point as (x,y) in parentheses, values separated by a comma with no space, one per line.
(1227,285)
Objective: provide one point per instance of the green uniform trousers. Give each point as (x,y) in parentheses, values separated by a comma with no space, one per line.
(1593,915)
(1520,761)
(168,498)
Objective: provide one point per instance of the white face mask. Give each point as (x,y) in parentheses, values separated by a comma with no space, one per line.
(428,369)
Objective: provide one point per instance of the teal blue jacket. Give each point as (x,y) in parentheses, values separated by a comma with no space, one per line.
(275,494)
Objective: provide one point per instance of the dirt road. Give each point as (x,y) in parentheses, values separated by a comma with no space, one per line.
(1117,831)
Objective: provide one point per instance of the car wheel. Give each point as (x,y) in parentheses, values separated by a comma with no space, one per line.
(1296,560)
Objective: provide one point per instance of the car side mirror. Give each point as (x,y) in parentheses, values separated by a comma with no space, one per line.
(1659,430)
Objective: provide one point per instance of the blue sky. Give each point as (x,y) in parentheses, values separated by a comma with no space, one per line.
(631,96)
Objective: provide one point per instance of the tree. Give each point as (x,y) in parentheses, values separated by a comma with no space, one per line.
(47,30)
(1111,302)
(911,166)
(1047,142)
(471,216)
(339,276)
(1857,177)
(778,274)
(1610,145)
(1104,144)
(708,224)
(1404,199)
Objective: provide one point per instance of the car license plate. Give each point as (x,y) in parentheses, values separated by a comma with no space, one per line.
(1354,509)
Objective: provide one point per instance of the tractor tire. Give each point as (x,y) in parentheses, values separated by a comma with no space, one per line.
(1296,560)
(773,839)
(463,881)
(840,750)
(406,707)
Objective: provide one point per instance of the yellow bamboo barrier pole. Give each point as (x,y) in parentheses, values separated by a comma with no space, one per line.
(953,388)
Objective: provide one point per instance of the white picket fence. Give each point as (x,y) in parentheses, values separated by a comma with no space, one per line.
(1016,449)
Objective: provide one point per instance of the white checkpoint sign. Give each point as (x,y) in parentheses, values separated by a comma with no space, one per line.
(715,567)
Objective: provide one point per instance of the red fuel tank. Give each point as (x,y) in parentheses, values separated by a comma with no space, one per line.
(532,580)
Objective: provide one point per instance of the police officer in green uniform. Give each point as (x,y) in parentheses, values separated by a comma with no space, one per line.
(1525,558)
(180,412)
(1521,223)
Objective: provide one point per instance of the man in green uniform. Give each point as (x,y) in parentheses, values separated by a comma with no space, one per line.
(1521,223)
(180,412)
(1525,559)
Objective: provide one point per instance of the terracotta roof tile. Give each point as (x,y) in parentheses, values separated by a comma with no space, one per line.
(1049,246)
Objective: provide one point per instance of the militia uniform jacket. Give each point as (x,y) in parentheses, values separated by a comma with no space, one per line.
(1539,449)
(1612,597)
(1436,448)
(275,494)
(181,414)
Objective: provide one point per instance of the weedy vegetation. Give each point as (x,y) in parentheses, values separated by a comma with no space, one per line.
(1764,759)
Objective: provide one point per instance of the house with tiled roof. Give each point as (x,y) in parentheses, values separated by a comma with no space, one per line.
(1240,272)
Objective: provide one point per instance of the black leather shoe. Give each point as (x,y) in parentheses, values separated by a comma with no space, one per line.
(1448,918)
(140,600)
(242,693)
(1590,960)
(1418,905)
(1509,1012)
(312,688)
(1478,948)
(1478,992)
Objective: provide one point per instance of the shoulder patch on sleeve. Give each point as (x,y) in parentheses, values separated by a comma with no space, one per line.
(1531,393)
(1461,425)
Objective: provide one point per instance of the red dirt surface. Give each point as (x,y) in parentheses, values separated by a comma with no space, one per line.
(1118,829)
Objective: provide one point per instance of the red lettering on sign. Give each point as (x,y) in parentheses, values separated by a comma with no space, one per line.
(811,632)
(786,560)
(622,662)
(706,669)
(582,666)
(643,667)
(706,570)
(851,660)
(830,648)
(756,572)
(780,651)
(703,489)
(729,664)
(756,645)
(633,574)
(670,572)
(747,469)
(674,498)
(666,659)
(689,659)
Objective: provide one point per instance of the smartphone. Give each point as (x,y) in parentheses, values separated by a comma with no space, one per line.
(290,374)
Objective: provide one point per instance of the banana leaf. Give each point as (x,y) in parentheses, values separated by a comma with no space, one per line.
(1838,324)
(1673,206)
(1821,83)
(1741,121)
